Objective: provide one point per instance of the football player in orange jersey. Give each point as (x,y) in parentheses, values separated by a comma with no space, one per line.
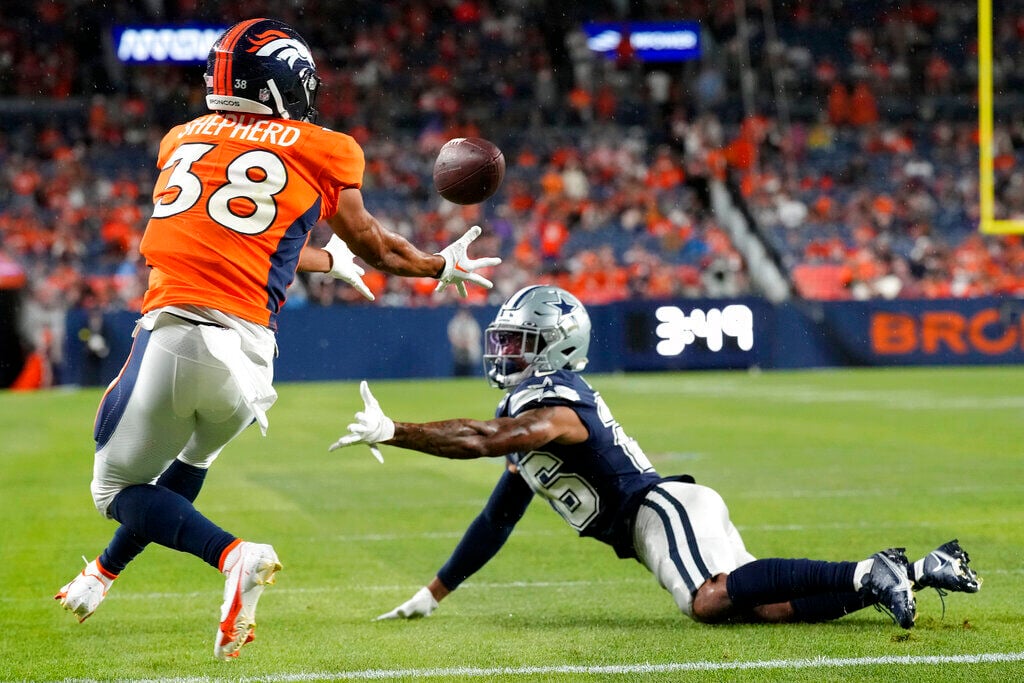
(239,190)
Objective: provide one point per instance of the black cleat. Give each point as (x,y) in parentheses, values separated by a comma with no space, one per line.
(889,582)
(946,569)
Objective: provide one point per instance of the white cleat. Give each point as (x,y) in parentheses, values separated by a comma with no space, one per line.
(249,568)
(84,593)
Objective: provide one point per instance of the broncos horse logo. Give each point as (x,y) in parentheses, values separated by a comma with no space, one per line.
(274,43)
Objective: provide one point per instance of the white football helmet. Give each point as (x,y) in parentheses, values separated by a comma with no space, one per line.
(539,330)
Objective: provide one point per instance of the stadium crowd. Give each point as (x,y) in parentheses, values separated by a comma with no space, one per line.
(855,150)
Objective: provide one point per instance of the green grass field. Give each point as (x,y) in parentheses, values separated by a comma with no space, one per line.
(829,465)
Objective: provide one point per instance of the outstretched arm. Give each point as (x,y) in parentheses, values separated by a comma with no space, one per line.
(392,253)
(376,245)
(465,438)
(482,541)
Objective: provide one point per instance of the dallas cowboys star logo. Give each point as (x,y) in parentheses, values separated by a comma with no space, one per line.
(564,307)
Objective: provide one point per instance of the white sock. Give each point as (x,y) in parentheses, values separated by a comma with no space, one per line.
(863,567)
(917,570)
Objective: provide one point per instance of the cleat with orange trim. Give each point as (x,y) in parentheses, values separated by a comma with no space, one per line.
(84,593)
(249,568)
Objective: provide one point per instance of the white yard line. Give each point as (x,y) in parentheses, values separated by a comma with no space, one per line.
(897,399)
(831,663)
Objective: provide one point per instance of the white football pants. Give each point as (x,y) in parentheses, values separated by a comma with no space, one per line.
(185,392)
(683,535)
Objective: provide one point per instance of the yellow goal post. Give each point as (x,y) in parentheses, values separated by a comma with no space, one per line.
(986,180)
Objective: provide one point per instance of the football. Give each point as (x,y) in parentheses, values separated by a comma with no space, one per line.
(468,170)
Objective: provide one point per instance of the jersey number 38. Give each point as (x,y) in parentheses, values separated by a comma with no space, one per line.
(244,202)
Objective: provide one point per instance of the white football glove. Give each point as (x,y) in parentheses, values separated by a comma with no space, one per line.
(371,427)
(343,267)
(419,605)
(458,267)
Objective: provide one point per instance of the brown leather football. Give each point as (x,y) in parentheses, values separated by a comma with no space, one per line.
(468,170)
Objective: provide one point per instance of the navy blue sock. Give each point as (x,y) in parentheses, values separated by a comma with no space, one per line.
(829,606)
(775,580)
(162,516)
(185,480)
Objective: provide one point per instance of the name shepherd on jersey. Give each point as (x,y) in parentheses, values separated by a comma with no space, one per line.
(243,127)
(233,206)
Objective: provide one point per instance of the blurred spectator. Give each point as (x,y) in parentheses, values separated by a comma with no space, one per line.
(863,106)
(43,325)
(838,104)
(609,161)
(465,337)
(94,348)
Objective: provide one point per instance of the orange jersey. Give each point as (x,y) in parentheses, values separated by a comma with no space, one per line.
(235,201)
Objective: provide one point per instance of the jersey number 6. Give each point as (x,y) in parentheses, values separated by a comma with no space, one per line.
(569,494)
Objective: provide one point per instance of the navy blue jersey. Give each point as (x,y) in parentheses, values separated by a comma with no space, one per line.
(593,485)
(596,486)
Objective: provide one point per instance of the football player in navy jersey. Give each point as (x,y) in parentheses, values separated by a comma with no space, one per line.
(561,442)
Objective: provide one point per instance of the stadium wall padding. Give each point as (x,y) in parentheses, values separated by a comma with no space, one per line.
(371,342)
(12,353)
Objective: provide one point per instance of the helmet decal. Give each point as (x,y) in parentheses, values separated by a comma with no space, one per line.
(280,45)
(560,303)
